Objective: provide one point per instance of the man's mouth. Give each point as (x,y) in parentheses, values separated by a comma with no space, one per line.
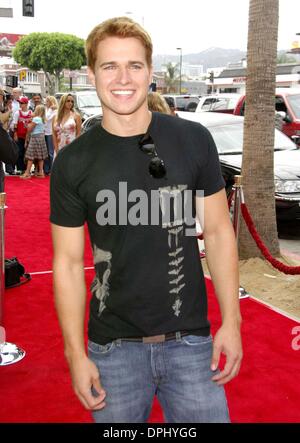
(122,92)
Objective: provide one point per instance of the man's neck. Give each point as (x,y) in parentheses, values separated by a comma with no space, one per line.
(126,125)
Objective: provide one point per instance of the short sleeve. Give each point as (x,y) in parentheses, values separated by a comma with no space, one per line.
(209,178)
(66,206)
(37,120)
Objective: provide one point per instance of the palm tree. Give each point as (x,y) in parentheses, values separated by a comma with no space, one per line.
(171,77)
(258,150)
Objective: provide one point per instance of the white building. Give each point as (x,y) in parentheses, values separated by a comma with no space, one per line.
(234,79)
(192,72)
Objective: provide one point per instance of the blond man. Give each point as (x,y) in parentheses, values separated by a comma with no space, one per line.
(148,331)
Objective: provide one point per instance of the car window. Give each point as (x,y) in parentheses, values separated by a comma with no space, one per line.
(207,104)
(294,102)
(88,101)
(229,139)
(280,106)
(170,101)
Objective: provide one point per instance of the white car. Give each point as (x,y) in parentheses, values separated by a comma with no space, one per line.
(218,102)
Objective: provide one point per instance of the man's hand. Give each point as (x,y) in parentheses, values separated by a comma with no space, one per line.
(85,375)
(227,341)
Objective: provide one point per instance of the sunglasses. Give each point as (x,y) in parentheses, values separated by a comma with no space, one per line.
(157,167)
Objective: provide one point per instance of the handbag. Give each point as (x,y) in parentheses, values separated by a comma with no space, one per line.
(15,273)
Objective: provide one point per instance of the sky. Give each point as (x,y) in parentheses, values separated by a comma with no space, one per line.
(193,25)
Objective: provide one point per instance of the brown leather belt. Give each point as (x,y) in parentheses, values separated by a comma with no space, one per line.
(158,338)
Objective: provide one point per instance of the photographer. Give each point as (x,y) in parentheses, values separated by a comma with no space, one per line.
(5,109)
(6,118)
(8,153)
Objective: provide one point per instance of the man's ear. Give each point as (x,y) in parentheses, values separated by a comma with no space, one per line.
(91,76)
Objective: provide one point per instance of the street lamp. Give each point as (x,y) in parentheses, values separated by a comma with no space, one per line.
(180,67)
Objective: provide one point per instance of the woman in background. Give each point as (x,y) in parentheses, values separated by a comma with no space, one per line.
(66,124)
(51,111)
(156,102)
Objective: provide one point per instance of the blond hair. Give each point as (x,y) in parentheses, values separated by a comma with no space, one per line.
(40,111)
(53,101)
(122,27)
(156,102)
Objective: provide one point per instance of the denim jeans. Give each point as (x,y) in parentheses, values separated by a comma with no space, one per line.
(177,371)
(48,162)
(20,162)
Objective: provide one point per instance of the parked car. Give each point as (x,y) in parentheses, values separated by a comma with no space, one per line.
(225,103)
(227,131)
(86,104)
(287,103)
(90,122)
(185,102)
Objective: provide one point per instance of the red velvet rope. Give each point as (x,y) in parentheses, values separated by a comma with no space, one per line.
(293,270)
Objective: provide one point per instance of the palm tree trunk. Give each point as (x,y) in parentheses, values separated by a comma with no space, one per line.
(259,124)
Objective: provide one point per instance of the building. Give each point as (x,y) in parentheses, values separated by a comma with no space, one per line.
(7,43)
(192,72)
(234,79)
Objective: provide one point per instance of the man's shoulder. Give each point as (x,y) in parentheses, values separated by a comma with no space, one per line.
(168,122)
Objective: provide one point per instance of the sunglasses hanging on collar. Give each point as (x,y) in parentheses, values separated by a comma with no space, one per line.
(157,167)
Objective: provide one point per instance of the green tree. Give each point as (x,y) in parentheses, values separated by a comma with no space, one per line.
(171,77)
(50,52)
(259,126)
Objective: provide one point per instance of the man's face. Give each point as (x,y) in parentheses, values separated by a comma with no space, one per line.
(122,76)
(16,94)
(36,100)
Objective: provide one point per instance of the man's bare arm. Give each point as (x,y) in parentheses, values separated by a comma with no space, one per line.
(70,301)
(222,261)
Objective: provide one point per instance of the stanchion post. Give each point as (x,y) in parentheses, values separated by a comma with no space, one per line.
(9,352)
(236,205)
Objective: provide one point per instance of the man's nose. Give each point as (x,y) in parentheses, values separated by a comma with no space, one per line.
(124,76)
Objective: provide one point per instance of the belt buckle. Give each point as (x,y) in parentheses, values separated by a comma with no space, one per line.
(154,339)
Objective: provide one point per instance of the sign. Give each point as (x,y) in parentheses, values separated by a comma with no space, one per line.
(239,80)
(22,75)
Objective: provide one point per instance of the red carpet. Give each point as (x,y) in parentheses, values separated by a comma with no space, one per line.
(38,388)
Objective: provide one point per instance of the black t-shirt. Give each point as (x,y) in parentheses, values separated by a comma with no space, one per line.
(148,275)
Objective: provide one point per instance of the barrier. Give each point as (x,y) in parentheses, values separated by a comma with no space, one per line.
(240,202)
(9,352)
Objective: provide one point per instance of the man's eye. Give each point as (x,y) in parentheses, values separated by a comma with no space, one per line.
(109,67)
(136,67)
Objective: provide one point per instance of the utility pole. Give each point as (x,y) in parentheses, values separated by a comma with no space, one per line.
(180,68)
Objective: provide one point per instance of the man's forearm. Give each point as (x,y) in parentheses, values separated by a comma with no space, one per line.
(222,261)
(70,301)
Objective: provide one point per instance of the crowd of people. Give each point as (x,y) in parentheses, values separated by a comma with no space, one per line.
(40,128)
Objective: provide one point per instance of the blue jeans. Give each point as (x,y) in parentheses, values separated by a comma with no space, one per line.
(177,371)
(48,162)
(21,166)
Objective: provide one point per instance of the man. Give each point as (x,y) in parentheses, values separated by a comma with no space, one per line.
(8,153)
(6,112)
(148,329)
(35,101)
(16,92)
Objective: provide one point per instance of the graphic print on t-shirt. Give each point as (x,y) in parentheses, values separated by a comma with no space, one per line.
(172,204)
(102,261)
